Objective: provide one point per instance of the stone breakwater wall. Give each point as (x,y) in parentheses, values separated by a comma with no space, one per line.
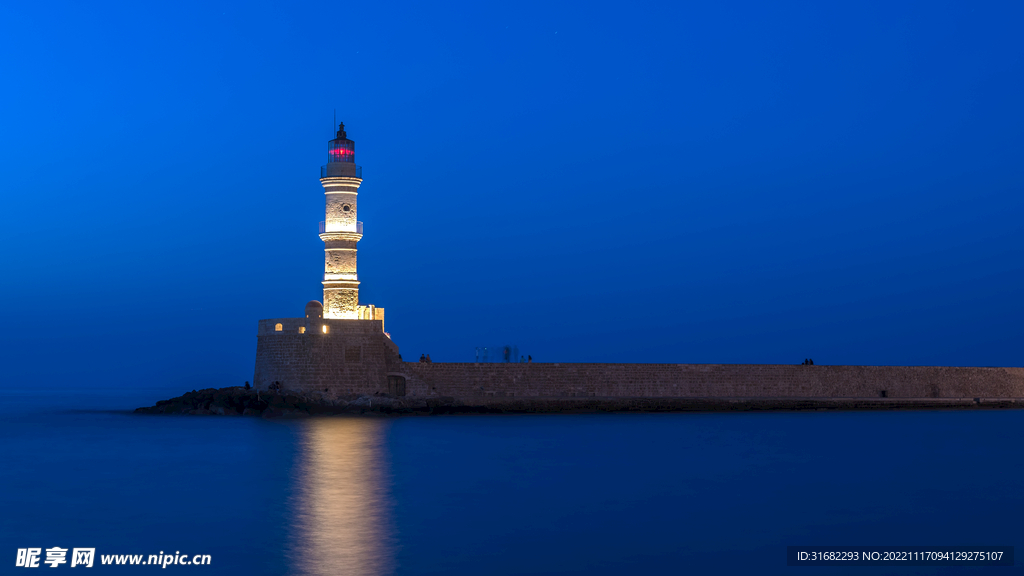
(337,359)
(500,383)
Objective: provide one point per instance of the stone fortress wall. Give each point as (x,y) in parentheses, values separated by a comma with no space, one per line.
(350,357)
(482,381)
(356,357)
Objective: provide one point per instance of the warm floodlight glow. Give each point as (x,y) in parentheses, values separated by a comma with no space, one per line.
(340,231)
(302,329)
(325,328)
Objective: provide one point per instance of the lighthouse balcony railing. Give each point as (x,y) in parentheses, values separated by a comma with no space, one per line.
(323,227)
(335,168)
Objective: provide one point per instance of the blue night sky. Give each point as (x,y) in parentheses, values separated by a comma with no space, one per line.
(725,182)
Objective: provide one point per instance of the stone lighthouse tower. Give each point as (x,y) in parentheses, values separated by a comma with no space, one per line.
(341,230)
(338,347)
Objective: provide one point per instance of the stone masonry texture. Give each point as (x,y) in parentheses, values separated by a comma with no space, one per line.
(467,381)
(355,357)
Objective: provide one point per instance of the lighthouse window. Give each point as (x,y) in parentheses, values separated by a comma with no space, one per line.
(278,327)
(346,208)
(341,150)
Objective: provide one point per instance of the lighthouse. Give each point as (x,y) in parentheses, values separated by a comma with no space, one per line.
(341,231)
(339,347)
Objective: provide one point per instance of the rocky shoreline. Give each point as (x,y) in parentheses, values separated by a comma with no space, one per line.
(237,401)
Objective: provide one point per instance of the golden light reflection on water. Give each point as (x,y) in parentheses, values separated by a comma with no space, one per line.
(341,511)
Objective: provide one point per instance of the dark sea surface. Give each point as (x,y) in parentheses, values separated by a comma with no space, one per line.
(527,494)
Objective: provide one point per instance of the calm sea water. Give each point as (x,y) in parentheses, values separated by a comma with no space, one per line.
(574,494)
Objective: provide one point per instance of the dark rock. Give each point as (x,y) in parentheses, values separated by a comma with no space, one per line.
(237,400)
(222,410)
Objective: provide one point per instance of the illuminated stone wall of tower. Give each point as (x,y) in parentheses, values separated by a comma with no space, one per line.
(341,229)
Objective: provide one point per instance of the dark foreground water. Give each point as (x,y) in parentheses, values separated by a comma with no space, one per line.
(574,494)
